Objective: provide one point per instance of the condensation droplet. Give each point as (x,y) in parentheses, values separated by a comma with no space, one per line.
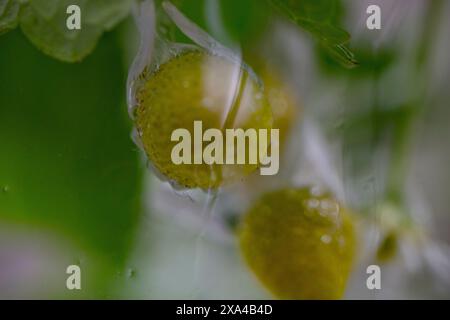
(131,273)
(316,191)
(329,208)
(325,238)
(313,203)
(5,189)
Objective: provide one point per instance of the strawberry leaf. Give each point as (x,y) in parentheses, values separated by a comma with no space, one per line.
(317,17)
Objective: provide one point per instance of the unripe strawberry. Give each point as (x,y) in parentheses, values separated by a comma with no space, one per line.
(198,86)
(299,245)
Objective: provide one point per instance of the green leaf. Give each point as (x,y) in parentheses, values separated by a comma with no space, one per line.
(318,17)
(342,55)
(44,23)
(314,10)
(233,23)
(325,32)
(46,29)
(371,63)
(9,12)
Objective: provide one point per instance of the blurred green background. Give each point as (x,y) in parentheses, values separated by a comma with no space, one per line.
(68,165)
